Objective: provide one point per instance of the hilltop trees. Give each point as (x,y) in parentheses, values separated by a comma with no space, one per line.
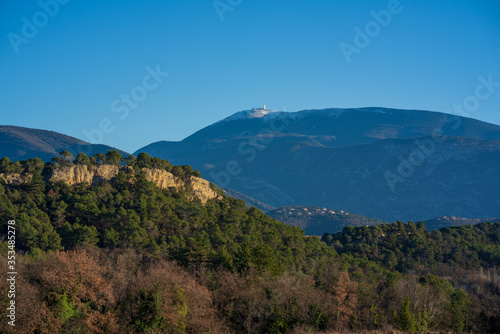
(66,155)
(100,158)
(4,164)
(114,157)
(143,160)
(65,159)
(82,159)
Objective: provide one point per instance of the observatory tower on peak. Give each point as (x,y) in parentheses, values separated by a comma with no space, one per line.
(259,109)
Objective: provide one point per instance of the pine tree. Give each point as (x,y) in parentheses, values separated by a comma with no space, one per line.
(405,320)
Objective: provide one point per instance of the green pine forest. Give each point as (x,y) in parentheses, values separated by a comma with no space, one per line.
(125,256)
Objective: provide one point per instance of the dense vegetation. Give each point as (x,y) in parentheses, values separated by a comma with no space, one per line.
(402,247)
(127,257)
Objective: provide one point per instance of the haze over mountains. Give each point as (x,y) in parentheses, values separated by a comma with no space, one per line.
(385,163)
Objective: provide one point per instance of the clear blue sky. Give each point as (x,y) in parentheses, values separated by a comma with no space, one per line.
(286,54)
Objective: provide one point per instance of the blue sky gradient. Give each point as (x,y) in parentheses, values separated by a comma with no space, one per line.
(83,61)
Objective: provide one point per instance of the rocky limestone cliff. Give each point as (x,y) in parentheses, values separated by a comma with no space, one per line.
(162,178)
(196,187)
(70,175)
(80,173)
(201,189)
(15,178)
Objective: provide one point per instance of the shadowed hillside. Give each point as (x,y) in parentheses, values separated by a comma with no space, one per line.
(18,143)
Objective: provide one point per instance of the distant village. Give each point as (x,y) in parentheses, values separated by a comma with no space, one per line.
(310,211)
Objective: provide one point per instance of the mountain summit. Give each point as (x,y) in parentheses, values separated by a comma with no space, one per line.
(254,113)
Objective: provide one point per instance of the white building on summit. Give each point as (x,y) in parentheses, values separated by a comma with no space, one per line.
(254,113)
(259,112)
(260,109)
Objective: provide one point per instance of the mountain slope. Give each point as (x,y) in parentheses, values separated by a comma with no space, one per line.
(353,159)
(249,201)
(19,143)
(328,127)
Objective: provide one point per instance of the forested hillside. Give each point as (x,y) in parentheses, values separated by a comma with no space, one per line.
(126,256)
(132,212)
(402,247)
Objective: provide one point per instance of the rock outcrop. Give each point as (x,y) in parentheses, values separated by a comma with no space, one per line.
(201,189)
(15,178)
(196,187)
(162,178)
(80,173)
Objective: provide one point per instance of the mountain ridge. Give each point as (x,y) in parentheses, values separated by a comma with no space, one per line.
(21,143)
(277,160)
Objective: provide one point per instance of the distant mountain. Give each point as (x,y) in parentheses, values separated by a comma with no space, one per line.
(386,163)
(18,143)
(327,128)
(317,221)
